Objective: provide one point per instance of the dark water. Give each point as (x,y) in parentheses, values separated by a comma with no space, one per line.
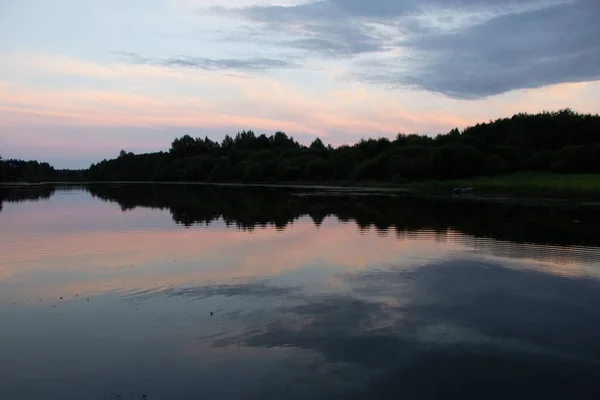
(200,292)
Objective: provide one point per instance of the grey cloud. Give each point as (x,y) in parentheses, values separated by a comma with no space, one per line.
(516,51)
(209,64)
(338,40)
(324,27)
(506,45)
(373,10)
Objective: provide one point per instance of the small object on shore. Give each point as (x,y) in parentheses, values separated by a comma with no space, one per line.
(462,190)
(61,297)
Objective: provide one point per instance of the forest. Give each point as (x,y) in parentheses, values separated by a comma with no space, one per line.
(563,141)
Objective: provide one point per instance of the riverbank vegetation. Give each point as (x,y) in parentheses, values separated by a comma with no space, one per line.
(522,184)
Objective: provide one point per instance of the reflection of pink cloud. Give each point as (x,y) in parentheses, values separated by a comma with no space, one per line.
(127,261)
(133,260)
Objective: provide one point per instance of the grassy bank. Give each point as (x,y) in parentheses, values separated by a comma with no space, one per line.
(520,185)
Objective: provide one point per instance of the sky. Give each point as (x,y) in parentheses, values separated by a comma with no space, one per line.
(82,79)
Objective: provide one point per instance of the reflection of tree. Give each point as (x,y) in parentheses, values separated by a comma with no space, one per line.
(250,207)
(16,194)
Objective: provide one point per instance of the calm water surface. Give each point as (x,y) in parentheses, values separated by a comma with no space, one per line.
(201,292)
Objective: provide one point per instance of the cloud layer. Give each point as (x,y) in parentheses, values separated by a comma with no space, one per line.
(459,48)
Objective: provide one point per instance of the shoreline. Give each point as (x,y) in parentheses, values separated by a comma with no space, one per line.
(426,190)
(363,188)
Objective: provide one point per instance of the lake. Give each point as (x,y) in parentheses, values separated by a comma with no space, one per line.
(215,292)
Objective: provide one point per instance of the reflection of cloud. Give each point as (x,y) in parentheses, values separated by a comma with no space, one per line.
(254,289)
(497,301)
(330,325)
(458,327)
(95,258)
(101,259)
(425,325)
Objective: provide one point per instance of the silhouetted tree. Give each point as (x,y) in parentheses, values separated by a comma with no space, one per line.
(317,145)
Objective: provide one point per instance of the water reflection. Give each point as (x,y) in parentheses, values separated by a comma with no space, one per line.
(457,329)
(252,207)
(552,223)
(183,291)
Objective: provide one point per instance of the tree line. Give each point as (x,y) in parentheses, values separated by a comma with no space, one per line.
(13,170)
(557,142)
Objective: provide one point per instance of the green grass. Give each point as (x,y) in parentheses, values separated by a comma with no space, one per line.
(521,185)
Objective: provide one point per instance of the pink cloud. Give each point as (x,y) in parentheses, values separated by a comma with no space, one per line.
(249,102)
(157,100)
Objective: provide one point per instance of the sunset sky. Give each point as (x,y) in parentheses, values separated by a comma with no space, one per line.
(82,79)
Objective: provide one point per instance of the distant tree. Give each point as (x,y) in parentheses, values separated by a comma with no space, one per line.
(227,144)
(317,145)
(280,141)
(262,142)
(187,146)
